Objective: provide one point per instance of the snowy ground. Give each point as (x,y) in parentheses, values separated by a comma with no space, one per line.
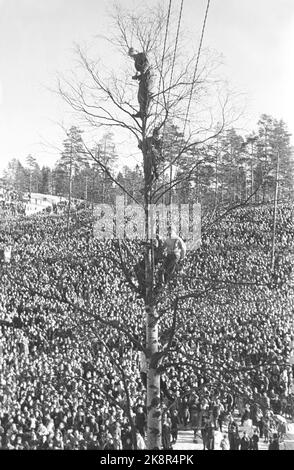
(186,439)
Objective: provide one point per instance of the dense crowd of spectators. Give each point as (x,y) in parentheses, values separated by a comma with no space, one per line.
(11,203)
(71,380)
(240,336)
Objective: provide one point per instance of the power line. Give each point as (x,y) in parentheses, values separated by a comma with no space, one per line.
(176,44)
(163,53)
(171,78)
(174,58)
(197,62)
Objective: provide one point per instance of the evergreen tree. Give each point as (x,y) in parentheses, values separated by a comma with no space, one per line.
(33,171)
(15,176)
(45,186)
(72,160)
(106,153)
(274,140)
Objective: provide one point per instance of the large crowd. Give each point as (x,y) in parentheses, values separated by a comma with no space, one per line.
(71,380)
(11,203)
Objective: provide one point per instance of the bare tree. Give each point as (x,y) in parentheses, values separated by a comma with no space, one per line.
(104,99)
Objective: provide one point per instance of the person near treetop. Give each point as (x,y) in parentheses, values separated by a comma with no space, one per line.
(175,249)
(145,80)
(141,62)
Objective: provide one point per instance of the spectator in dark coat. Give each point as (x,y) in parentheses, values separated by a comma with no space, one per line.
(141,421)
(274,444)
(245,442)
(175,421)
(166,433)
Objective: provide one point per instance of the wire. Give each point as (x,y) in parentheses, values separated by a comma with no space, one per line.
(197,62)
(171,78)
(163,53)
(173,62)
(176,44)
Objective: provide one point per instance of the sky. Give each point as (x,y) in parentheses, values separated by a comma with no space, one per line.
(37,38)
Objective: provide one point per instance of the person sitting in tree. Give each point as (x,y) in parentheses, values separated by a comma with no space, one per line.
(152,154)
(145,81)
(175,249)
(141,63)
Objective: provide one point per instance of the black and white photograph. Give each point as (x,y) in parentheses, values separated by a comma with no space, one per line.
(146,229)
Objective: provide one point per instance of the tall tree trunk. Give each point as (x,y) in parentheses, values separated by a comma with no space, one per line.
(153,381)
(152,343)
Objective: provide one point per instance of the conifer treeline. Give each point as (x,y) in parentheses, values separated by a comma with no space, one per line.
(227,170)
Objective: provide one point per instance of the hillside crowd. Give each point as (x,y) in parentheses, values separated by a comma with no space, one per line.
(71,372)
(10,203)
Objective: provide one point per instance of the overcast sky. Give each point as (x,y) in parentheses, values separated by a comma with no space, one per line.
(256,38)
